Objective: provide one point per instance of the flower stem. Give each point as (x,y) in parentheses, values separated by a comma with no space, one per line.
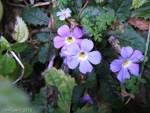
(145,53)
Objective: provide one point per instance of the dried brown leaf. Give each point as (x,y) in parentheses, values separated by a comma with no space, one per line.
(139,23)
(117,25)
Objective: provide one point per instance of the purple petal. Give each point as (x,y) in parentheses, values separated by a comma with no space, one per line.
(86,45)
(73,49)
(86,98)
(77,32)
(58,39)
(116,65)
(64,30)
(59,44)
(137,56)
(79,41)
(134,69)
(94,57)
(126,52)
(73,63)
(85,66)
(123,74)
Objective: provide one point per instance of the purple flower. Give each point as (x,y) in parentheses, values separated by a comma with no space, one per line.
(66,37)
(65,13)
(84,33)
(83,56)
(84,99)
(128,61)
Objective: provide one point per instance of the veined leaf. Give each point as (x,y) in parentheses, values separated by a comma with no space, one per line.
(137,3)
(21,31)
(7,64)
(143,11)
(65,85)
(35,16)
(130,38)
(121,7)
(19,47)
(4,44)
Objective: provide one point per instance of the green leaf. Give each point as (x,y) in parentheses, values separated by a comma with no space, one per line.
(102,109)
(85,110)
(4,44)
(21,31)
(99,1)
(137,3)
(40,103)
(43,51)
(121,7)
(13,99)
(130,38)
(19,47)
(7,64)
(143,11)
(65,85)
(43,36)
(27,71)
(35,16)
(1,10)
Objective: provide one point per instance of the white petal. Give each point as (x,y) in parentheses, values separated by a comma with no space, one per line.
(58,14)
(62,17)
(68,15)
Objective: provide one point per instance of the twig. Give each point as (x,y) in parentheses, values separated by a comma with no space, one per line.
(145,53)
(15,5)
(106,32)
(83,7)
(41,4)
(17,59)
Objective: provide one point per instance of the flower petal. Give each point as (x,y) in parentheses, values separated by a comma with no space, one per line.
(64,30)
(134,69)
(73,63)
(58,13)
(78,41)
(126,52)
(87,45)
(59,44)
(94,57)
(73,49)
(85,66)
(58,39)
(137,56)
(68,15)
(77,32)
(62,17)
(68,10)
(123,74)
(116,65)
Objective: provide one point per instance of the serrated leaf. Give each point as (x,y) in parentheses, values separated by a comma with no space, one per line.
(27,71)
(21,31)
(65,85)
(4,44)
(143,11)
(42,55)
(35,16)
(19,47)
(7,64)
(121,7)
(130,38)
(137,3)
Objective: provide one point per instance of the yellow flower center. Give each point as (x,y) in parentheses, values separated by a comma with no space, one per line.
(126,63)
(64,13)
(70,39)
(82,55)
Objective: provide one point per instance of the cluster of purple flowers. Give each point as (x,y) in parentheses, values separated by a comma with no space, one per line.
(76,50)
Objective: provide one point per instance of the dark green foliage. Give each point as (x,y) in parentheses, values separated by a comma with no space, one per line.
(7,64)
(35,16)
(43,52)
(19,47)
(85,110)
(143,11)
(136,40)
(27,71)
(41,100)
(121,7)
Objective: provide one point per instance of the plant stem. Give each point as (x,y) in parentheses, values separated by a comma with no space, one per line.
(83,7)
(145,53)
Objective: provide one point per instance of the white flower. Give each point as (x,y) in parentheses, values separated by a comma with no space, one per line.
(65,13)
